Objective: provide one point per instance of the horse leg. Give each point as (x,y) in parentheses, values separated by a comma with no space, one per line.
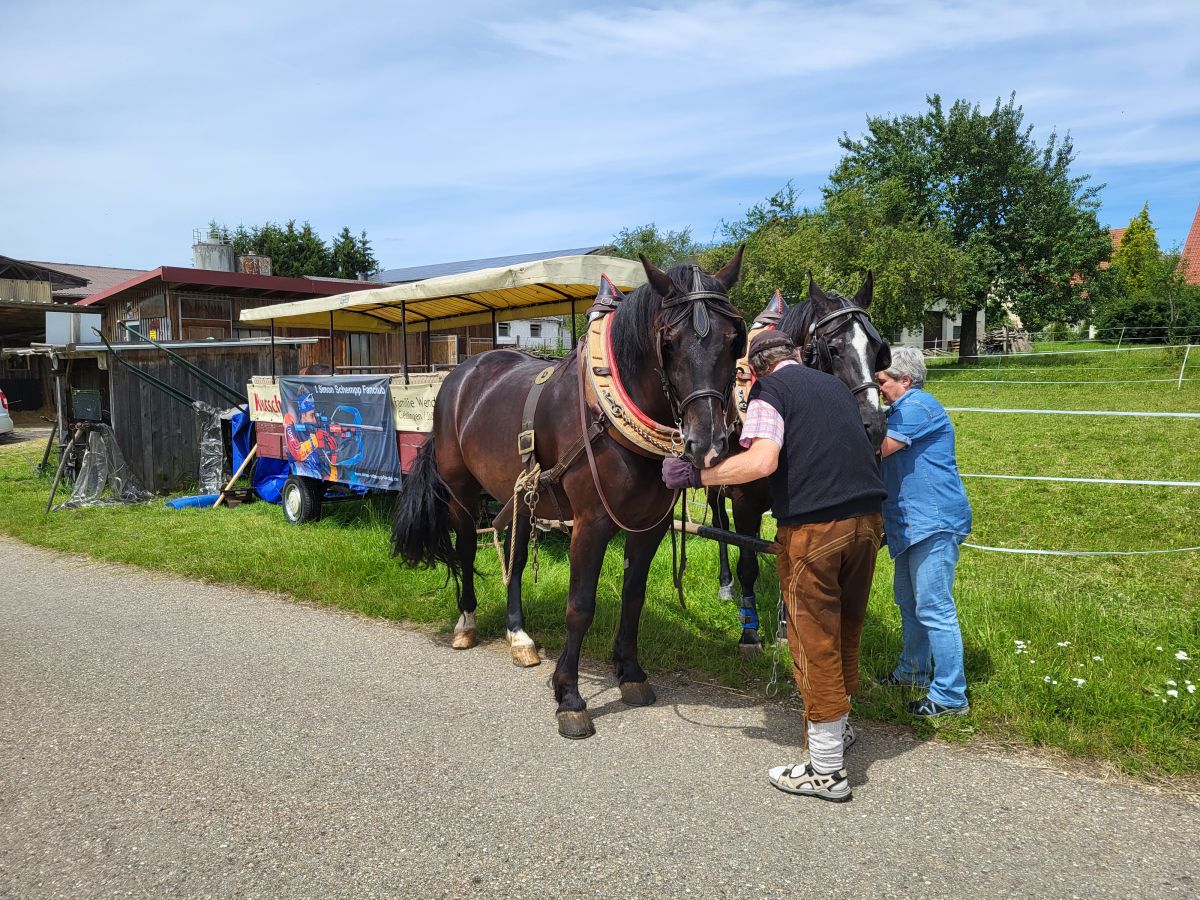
(465,545)
(589,540)
(639,552)
(716,502)
(524,651)
(748,520)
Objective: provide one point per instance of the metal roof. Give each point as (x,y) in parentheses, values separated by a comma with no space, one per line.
(96,278)
(420,273)
(544,287)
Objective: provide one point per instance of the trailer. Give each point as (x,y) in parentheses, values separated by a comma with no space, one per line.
(336,438)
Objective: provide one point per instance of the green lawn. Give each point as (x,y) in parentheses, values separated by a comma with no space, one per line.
(1099,637)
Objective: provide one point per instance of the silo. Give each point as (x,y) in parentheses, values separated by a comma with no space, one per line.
(213,256)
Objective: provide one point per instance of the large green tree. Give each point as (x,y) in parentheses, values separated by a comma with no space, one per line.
(1138,259)
(1025,223)
(663,247)
(300,250)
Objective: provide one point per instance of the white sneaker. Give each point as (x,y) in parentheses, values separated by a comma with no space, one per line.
(802,779)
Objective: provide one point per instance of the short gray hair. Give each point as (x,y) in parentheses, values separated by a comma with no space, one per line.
(764,360)
(910,362)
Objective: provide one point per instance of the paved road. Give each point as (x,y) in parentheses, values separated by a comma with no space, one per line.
(160,737)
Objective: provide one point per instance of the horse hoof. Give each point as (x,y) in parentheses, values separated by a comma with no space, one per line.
(749,650)
(526,656)
(638,693)
(464,640)
(576,725)
(726,592)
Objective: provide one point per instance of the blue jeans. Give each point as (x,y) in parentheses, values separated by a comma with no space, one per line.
(932,638)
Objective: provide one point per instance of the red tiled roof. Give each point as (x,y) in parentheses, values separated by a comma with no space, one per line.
(100,278)
(1115,235)
(1189,259)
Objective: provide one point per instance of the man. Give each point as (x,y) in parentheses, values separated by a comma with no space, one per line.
(804,433)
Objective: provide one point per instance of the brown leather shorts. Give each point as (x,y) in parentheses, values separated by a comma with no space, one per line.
(825,573)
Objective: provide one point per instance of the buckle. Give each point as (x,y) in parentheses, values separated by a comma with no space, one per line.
(525,442)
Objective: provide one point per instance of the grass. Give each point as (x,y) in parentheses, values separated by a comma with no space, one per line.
(1076,655)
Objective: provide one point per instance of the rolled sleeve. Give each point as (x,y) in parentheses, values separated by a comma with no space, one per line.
(762,421)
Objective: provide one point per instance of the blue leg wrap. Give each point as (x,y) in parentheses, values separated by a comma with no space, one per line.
(749,612)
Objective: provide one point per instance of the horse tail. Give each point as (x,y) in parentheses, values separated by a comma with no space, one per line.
(421,533)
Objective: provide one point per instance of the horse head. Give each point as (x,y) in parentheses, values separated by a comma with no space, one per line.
(836,336)
(698,336)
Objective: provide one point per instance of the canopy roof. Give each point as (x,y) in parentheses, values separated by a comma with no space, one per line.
(544,287)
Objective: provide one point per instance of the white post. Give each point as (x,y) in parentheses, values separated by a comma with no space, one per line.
(1121,338)
(1179,384)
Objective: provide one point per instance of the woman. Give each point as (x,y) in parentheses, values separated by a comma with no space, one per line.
(926,516)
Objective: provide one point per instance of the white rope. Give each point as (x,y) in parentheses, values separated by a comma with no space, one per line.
(1087,480)
(1104,350)
(1078,552)
(1077,412)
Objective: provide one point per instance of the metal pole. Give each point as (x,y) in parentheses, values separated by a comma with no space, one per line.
(272,351)
(495,332)
(1179,384)
(331,367)
(429,344)
(404,336)
(574,334)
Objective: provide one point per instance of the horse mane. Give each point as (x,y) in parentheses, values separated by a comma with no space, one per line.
(633,322)
(795,321)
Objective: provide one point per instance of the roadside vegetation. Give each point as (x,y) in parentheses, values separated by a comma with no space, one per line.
(1093,657)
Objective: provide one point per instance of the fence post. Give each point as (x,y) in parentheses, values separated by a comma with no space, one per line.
(1179,384)
(1121,338)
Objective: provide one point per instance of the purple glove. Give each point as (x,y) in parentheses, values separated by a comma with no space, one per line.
(679,473)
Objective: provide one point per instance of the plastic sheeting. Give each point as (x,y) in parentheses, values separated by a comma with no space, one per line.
(104,479)
(212,449)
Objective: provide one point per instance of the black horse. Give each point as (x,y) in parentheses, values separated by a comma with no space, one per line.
(675,343)
(836,336)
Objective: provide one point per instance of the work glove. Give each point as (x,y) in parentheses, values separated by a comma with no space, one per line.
(678,473)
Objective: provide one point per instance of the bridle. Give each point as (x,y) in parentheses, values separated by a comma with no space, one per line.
(815,345)
(701,302)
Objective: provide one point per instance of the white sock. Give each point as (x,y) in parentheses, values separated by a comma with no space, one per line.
(825,744)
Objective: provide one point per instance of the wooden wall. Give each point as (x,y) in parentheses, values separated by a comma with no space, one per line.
(159,436)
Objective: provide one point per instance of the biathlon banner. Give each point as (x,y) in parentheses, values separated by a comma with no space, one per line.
(340,429)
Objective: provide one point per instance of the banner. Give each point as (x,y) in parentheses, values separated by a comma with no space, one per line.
(340,429)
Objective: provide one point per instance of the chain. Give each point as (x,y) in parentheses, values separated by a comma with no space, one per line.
(531,500)
(773,686)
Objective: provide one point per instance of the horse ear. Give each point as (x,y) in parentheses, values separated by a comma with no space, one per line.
(814,292)
(730,271)
(659,280)
(863,297)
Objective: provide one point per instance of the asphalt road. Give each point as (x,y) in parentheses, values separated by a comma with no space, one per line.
(160,737)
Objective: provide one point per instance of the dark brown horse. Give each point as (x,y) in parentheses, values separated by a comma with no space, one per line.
(835,336)
(675,343)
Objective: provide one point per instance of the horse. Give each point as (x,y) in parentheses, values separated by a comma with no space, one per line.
(674,344)
(836,336)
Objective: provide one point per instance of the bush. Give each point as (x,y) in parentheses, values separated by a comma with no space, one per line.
(1148,317)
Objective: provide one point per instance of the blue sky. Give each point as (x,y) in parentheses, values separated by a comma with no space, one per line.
(454,130)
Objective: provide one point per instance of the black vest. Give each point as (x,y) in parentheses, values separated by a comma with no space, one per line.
(827,467)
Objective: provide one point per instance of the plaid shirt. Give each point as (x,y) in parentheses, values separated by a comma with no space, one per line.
(763,420)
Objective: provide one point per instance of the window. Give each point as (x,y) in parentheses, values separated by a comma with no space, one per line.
(358,349)
(503,329)
(535,329)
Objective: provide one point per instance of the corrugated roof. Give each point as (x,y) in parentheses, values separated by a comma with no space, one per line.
(420,273)
(1189,259)
(100,278)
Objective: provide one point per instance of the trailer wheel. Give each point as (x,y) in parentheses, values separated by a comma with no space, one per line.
(302,499)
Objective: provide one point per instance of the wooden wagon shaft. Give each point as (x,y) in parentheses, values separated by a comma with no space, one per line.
(236,475)
(745,541)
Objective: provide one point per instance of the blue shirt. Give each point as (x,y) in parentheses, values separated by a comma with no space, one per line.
(925,493)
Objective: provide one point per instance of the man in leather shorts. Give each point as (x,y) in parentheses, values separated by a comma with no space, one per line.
(803,432)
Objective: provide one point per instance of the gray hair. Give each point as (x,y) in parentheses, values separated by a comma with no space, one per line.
(763,361)
(910,362)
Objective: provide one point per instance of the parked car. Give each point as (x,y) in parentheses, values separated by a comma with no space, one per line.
(6,422)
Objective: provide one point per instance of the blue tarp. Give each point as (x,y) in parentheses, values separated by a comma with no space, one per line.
(269,474)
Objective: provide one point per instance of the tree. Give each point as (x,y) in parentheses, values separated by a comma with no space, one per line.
(663,248)
(297,251)
(1138,260)
(1150,294)
(1026,225)
(352,256)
